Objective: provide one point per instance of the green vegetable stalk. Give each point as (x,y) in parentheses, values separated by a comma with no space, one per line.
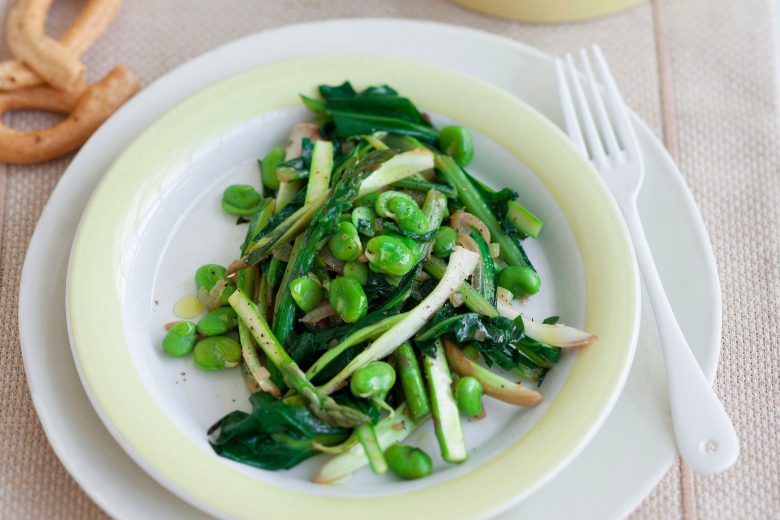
(319,403)
(471,297)
(411,381)
(469,195)
(317,187)
(388,171)
(445,410)
(389,430)
(368,439)
(357,337)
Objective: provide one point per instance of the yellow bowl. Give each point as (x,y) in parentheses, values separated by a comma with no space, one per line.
(548,10)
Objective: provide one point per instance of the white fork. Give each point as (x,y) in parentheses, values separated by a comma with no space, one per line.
(705,436)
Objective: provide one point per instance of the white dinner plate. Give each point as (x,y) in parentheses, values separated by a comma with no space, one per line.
(609,478)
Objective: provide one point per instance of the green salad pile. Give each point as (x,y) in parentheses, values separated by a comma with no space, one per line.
(373,292)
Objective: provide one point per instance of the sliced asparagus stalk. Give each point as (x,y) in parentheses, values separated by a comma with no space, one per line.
(374,453)
(319,403)
(446,417)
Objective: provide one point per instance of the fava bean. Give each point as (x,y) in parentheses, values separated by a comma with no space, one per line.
(456,142)
(375,379)
(180,339)
(408,462)
(216,353)
(306,292)
(345,242)
(241,199)
(403,209)
(218,322)
(367,200)
(390,255)
(519,280)
(348,298)
(268,168)
(468,395)
(444,241)
(356,270)
(206,277)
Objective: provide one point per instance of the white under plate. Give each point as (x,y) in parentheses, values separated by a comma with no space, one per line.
(615,471)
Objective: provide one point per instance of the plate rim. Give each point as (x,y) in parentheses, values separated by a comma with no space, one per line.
(629,277)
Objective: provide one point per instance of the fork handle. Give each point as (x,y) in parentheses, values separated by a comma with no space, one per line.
(705,436)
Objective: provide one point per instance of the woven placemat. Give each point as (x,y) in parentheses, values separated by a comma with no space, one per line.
(717,109)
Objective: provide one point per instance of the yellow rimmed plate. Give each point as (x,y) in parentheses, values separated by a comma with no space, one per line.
(155,217)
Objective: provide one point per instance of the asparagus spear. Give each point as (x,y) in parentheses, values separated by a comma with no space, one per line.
(446,417)
(373,450)
(389,430)
(318,185)
(258,372)
(411,380)
(398,167)
(318,402)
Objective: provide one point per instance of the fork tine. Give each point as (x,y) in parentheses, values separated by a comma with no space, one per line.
(607,131)
(625,129)
(591,134)
(569,114)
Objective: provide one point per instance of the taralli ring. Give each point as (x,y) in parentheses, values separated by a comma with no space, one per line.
(49,58)
(91,23)
(86,113)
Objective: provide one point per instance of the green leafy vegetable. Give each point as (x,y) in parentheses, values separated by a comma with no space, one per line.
(274,435)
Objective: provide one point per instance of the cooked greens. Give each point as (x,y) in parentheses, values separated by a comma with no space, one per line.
(372,292)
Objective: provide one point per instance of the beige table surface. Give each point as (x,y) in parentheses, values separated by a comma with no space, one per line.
(702,73)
